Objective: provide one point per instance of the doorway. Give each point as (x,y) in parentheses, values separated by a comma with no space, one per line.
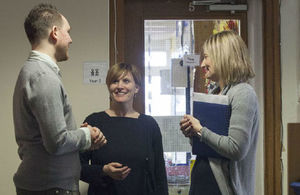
(127,44)
(169,84)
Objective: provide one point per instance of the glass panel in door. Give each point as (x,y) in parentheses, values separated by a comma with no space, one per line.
(169,85)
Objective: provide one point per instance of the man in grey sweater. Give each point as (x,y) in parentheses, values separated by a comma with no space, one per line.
(46,133)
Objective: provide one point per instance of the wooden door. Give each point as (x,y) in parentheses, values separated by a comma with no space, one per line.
(127,28)
(127,44)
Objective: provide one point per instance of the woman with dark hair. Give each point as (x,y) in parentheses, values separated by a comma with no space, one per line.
(132,162)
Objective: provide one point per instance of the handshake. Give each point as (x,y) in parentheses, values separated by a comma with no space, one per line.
(97,138)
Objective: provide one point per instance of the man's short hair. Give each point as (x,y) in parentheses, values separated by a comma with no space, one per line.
(40,20)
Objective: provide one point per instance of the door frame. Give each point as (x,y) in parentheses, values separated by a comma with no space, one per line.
(272,97)
(129,19)
(271,68)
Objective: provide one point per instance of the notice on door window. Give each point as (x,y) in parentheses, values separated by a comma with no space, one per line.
(179,73)
(191,60)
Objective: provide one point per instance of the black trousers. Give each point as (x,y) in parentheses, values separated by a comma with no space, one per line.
(202,179)
(54,191)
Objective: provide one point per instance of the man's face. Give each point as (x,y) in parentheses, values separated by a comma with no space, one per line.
(63,42)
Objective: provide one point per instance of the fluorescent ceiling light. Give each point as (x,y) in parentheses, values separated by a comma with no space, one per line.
(241,7)
(206,2)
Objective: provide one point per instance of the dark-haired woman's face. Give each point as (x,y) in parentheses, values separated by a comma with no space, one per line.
(123,89)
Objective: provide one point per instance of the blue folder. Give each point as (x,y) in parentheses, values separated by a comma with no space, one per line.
(213,112)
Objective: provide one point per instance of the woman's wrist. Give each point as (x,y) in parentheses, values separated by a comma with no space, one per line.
(199,132)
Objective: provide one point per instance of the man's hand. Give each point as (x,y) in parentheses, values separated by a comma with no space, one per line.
(84,124)
(116,170)
(97,138)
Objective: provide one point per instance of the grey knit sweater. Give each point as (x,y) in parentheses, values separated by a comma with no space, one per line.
(45,129)
(236,176)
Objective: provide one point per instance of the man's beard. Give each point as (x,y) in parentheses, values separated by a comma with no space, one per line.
(61,54)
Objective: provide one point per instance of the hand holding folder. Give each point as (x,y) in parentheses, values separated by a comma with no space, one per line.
(213,112)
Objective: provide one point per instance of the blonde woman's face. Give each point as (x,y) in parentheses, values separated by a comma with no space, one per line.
(208,68)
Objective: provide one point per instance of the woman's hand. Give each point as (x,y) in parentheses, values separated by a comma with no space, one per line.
(190,126)
(116,170)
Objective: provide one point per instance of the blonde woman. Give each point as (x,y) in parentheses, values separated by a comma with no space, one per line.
(226,62)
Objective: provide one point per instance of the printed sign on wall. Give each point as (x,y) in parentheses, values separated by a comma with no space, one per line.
(94,72)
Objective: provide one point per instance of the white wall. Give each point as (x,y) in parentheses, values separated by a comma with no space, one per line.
(256,53)
(290,72)
(89,20)
(90,32)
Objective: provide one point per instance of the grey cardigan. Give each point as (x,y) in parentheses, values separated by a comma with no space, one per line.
(236,176)
(45,129)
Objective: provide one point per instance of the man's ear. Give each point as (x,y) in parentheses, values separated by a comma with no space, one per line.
(54,33)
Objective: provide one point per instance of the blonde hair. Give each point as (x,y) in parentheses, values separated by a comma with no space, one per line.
(120,69)
(229,55)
